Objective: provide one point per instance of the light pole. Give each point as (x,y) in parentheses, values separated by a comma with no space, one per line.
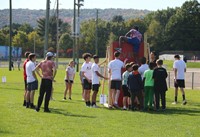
(57,38)
(74,30)
(78,33)
(46,27)
(10,31)
(96,39)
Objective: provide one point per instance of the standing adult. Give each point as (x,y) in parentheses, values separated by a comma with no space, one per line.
(179,67)
(133,37)
(25,76)
(48,69)
(32,81)
(18,63)
(115,67)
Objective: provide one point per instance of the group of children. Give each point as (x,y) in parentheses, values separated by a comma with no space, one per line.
(144,86)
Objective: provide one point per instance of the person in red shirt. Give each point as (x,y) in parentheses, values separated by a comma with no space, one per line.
(25,76)
(48,69)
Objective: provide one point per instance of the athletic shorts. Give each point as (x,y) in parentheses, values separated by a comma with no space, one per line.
(116,84)
(32,86)
(179,83)
(95,87)
(135,42)
(25,85)
(87,85)
(70,81)
(125,91)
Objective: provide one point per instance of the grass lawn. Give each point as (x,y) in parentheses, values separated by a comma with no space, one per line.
(73,119)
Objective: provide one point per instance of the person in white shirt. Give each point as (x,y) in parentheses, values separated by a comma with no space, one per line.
(69,79)
(144,66)
(86,70)
(95,79)
(32,82)
(179,67)
(114,68)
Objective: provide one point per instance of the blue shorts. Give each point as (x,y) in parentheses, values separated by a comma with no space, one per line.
(135,42)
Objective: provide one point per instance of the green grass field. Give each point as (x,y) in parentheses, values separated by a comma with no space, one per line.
(73,119)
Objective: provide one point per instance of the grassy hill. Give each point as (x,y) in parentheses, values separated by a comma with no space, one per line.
(30,16)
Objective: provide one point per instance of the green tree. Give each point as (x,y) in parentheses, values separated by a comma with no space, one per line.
(26,28)
(21,40)
(118,18)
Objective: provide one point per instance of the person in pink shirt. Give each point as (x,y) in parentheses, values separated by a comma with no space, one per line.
(48,69)
(133,37)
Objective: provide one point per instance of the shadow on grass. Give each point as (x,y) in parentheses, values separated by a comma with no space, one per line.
(178,110)
(62,112)
(10,88)
(5,132)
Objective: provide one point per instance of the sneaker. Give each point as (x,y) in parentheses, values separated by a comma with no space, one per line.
(124,108)
(110,107)
(32,107)
(115,105)
(184,102)
(47,110)
(174,103)
(64,98)
(37,109)
(94,106)
(52,99)
(70,98)
(24,104)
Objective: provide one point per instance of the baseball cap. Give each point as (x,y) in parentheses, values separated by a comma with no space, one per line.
(49,54)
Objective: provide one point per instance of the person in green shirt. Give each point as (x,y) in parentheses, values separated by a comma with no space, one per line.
(149,87)
(126,97)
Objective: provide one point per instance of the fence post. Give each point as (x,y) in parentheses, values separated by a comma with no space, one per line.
(169,79)
(192,80)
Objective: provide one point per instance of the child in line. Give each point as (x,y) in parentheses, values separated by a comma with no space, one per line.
(95,79)
(135,86)
(149,87)
(86,70)
(160,84)
(69,79)
(126,98)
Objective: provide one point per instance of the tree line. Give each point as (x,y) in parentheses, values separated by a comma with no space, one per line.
(170,29)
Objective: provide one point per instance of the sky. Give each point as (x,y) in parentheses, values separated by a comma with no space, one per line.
(100,4)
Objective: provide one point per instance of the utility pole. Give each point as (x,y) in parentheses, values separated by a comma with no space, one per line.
(96,36)
(57,38)
(46,27)
(74,30)
(10,31)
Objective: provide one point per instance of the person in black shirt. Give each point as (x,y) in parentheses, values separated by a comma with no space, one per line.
(160,84)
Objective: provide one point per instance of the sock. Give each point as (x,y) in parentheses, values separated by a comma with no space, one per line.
(175,99)
(183,97)
(86,103)
(93,103)
(24,103)
(89,103)
(129,106)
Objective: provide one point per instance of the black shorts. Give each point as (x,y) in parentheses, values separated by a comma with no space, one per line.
(25,85)
(125,91)
(87,85)
(116,84)
(32,86)
(179,83)
(95,87)
(70,81)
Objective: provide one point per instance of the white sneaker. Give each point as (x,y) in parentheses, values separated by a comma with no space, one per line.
(95,106)
(174,103)
(124,108)
(184,102)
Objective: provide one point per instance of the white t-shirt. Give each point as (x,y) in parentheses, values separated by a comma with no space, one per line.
(180,66)
(142,69)
(87,69)
(71,72)
(115,66)
(30,67)
(95,78)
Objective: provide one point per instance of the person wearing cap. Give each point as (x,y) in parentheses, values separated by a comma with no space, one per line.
(95,79)
(133,37)
(114,68)
(179,68)
(48,69)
